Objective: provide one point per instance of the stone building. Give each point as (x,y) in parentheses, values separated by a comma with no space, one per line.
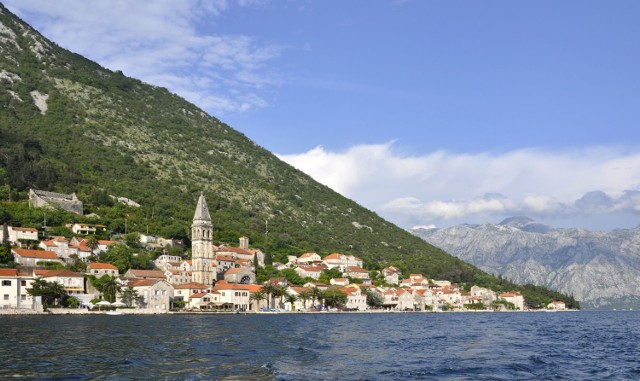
(202,257)
(68,202)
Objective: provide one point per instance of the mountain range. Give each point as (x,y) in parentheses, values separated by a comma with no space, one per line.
(601,269)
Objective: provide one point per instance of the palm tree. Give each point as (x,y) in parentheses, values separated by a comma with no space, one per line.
(258,296)
(291,298)
(269,289)
(304,295)
(92,243)
(280,292)
(109,286)
(316,295)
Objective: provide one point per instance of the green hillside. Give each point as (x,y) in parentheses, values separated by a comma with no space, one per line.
(106,134)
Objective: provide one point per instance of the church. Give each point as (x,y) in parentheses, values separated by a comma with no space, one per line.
(212,264)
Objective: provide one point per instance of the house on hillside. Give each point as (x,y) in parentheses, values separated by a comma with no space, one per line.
(73,283)
(15,234)
(31,258)
(391,275)
(98,270)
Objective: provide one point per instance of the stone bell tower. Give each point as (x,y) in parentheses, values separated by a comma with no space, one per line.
(201,245)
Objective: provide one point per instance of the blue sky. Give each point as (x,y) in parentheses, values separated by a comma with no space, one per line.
(427,112)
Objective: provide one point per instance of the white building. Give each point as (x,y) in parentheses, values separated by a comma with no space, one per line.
(17,234)
(13,290)
(31,258)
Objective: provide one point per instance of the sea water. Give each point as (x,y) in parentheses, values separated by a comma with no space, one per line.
(584,345)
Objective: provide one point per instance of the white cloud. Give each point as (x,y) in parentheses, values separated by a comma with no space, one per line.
(161,42)
(446,188)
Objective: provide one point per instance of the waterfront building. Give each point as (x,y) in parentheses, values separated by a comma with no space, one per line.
(13,289)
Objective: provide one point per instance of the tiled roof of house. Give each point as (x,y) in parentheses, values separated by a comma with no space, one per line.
(237,250)
(233,286)
(35,254)
(8,273)
(236,270)
(192,285)
(101,266)
(61,273)
(133,273)
(143,282)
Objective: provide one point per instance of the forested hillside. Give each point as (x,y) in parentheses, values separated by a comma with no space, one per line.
(69,125)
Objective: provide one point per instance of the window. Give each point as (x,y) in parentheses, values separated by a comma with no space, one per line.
(23,297)
(23,283)
(6,283)
(6,296)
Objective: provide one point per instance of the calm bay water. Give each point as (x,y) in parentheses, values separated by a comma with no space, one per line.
(586,345)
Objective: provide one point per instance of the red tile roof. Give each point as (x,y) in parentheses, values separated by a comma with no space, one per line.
(8,272)
(61,273)
(101,266)
(235,271)
(146,273)
(192,285)
(143,282)
(35,254)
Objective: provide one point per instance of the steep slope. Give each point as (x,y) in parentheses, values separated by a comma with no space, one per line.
(600,269)
(69,125)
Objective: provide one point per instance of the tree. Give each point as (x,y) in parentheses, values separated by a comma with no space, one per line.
(133,240)
(334,297)
(279,292)
(269,289)
(258,296)
(291,298)
(304,295)
(316,295)
(108,286)
(92,243)
(50,292)
(374,300)
(268,259)
(328,274)
(5,249)
(129,295)
(77,265)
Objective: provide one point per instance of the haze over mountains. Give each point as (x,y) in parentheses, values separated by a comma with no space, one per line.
(601,269)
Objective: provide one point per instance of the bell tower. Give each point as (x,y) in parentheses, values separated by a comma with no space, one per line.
(201,244)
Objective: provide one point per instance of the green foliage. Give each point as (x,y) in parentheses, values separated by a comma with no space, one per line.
(109,286)
(51,292)
(129,296)
(477,306)
(374,300)
(334,297)
(328,274)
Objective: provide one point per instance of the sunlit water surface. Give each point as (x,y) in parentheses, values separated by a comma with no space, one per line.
(585,345)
